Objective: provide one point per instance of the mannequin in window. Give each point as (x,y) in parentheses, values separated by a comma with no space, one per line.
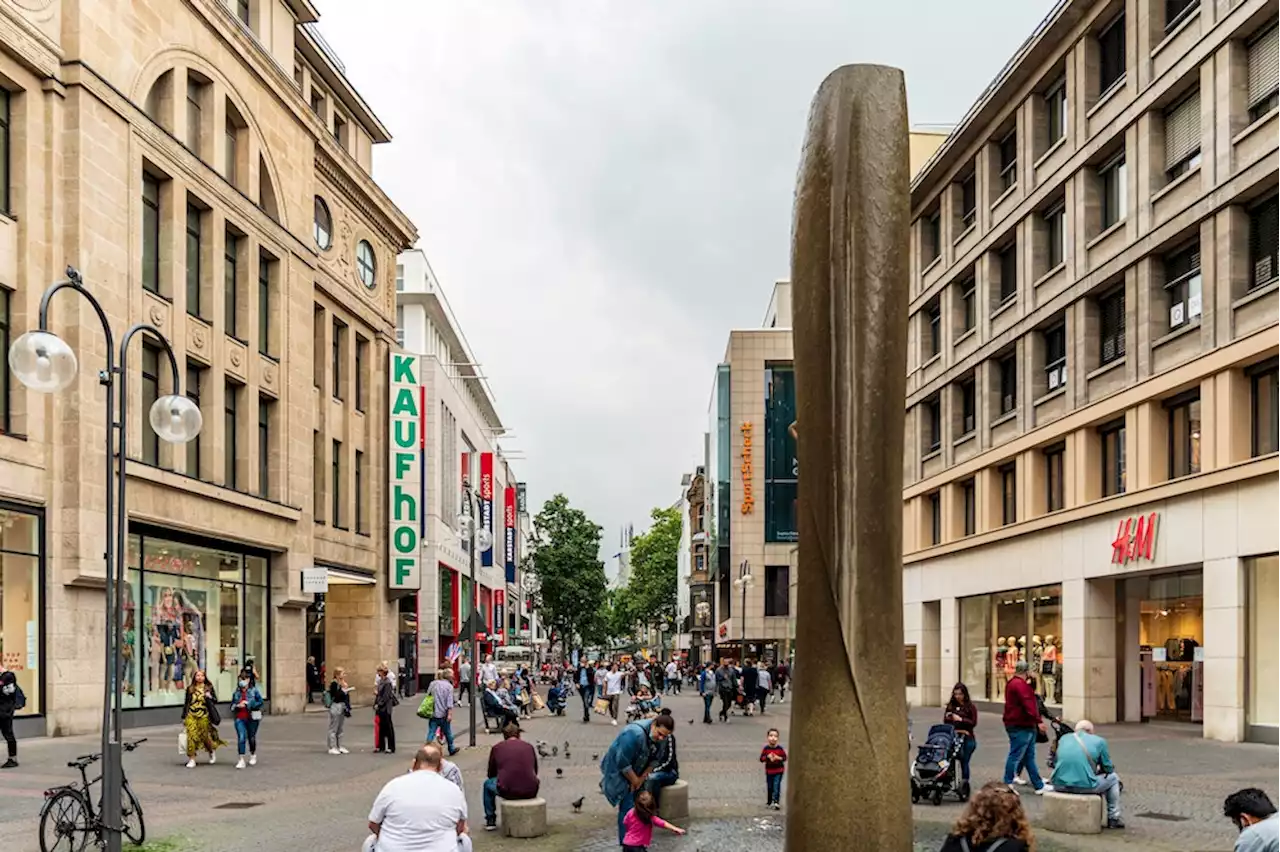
(1049,669)
(1002,668)
(1036,662)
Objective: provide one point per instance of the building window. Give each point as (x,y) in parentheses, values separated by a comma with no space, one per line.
(5,97)
(1182,135)
(317,476)
(1184,434)
(362,385)
(362,523)
(150,393)
(1008,271)
(1265,409)
(781,469)
(265,265)
(1264,233)
(968,407)
(1111,54)
(1115,195)
(777,590)
(399,325)
(150,233)
(969,500)
(366,264)
(339,130)
(1111,322)
(1182,284)
(1264,73)
(1055,223)
(265,407)
(935,517)
(193,260)
(969,199)
(1113,461)
(1055,101)
(336,484)
(230,284)
(1176,10)
(339,345)
(1054,466)
(323,225)
(1000,630)
(1009,493)
(6,332)
(1009,160)
(1008,382)
(242,11)
(230,425)
(194,379)
(1055,356)
(933,236)
(231,134)
(317,346)
(933,314)
(317,101)
(195,117)
(968,312)
(399,277)
(932,425)
(22,537)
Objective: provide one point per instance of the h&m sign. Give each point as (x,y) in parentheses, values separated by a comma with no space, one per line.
(407,470)
(1135,540)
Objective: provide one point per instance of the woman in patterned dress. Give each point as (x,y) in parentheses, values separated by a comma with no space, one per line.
(199,719)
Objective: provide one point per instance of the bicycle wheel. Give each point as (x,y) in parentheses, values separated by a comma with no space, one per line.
(64,822)
(134,828)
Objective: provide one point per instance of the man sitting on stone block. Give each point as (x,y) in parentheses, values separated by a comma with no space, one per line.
(1084,766)
(513,773)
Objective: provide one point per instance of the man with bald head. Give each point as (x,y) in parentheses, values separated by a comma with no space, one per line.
(420,811)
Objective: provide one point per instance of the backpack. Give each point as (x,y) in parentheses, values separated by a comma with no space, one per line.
(427,708)
(19,698)
(328,699)
(995,844)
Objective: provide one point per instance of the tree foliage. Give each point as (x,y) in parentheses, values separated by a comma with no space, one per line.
(654,580)
(565,562)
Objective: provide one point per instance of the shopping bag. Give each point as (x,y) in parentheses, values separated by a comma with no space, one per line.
(182,743)
(427,708)
(602,706)
(538,703)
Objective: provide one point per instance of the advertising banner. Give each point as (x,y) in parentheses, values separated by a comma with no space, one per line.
(510,538)
(522,498)
(499,614)
(486,504)
(408,478)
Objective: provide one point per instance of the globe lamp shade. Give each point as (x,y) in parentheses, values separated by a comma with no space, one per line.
(43,361)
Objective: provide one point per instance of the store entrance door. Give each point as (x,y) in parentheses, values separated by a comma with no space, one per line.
(315,630)
(1171,647)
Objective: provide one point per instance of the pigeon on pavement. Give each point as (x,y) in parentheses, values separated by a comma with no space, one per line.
(577,804)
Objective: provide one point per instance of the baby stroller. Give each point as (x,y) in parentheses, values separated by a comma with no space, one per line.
(1060,729)
(555,699)
(642,707)
(936,769)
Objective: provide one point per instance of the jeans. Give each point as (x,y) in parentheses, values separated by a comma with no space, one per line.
(336,720)
(247,729)
(490,800)
(386,731)
(1022,755)
(773,788)
(726,701)
(628,802)
(968,745)
(762,696)
(441,725)
(585,692)
(707,700)
(657,780)
(1108,787)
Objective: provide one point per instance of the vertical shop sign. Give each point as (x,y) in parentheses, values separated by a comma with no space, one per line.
(407,480)
(486,505)
(748,473)
(522,498)
(499,614)
(510,519)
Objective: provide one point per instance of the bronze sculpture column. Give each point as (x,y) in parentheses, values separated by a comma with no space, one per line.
(849,273)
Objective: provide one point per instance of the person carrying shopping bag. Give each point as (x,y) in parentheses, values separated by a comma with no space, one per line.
(246,711)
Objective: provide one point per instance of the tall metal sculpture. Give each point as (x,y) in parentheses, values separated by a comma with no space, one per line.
(849,274)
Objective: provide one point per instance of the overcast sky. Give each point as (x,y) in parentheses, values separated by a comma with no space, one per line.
(604,190)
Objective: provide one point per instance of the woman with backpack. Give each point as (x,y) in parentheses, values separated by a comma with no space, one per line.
(12,700)
(338,700)
(993,822)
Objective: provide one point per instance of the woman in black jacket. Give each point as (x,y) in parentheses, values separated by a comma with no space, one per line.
(338,698)
(962,714)
(382,704)
(11,701)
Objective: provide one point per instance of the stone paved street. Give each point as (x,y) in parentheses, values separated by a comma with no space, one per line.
(305,799)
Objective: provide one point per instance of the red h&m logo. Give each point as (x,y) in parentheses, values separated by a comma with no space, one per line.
(1134,541)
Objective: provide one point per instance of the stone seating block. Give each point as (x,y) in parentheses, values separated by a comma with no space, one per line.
(673,805)
(523,817)
(1073,813)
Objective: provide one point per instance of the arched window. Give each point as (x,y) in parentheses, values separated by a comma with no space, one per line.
(366,264)
(324,225)
(267,192)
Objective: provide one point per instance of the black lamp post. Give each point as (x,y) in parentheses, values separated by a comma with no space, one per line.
(44,362)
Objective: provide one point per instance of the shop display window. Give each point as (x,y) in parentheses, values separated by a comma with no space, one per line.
(998,631)
(20,605)
(1263,646)
(189,607)
(1171,632)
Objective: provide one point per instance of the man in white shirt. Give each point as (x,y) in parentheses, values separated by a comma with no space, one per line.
(613,690)
(673,678)
(419,812)
(488,671)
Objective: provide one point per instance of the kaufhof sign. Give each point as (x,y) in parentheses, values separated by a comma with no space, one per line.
(407,491)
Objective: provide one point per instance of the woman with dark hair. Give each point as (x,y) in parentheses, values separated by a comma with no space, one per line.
(993,821)
(962,714)
(200,719)
(246,711)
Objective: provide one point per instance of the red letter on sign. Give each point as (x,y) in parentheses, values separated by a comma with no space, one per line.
(1120,547)
(1144,539)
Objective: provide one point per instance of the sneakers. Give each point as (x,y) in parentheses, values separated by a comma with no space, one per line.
(213,758)
(240,763)
(491,825)
(1115,823)
(1021,782)
(342,750)
(191,764)
(777,806)
(1047,788)
(10,763)
(253,760)
(615,724)
(334,751)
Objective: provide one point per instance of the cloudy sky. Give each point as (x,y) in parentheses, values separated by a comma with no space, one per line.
(604,190)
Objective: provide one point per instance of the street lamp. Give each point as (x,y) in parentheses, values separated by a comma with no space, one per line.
(745,581)
(45,363)
(467,531)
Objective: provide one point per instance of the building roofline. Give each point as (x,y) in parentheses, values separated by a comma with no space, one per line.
(308,41)
(304,11)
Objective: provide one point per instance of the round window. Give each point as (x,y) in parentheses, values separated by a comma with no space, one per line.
(324,225)
(366,264)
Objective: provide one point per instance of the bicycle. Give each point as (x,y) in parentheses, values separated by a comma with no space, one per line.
(68,819)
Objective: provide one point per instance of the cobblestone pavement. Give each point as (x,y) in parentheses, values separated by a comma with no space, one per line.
(304,799)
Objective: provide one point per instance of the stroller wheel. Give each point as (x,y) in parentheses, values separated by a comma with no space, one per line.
(915,792)
(937,795)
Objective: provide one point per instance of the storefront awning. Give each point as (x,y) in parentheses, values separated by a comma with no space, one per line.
(348,577)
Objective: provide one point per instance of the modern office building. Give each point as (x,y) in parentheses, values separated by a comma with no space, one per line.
(460,445)
(1091,468)
(209,172)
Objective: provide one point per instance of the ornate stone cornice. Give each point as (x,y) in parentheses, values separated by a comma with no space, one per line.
(379,211)
(25,42)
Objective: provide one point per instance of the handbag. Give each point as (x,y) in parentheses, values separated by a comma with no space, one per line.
(602,706)
(1042,734)
(215,717)
(538,703)
(427,708)
(255,715)
(182,743)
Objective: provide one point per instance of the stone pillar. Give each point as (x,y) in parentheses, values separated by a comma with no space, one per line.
(850,271)
(1089,650)
(928,660)
(949,652)
(1225,621)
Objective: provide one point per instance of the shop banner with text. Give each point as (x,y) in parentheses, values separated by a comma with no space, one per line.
(486,505)
(499,614)
(522,498)
(511,534)
(408,477)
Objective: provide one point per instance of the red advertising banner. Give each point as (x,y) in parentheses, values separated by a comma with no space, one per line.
(486,504)
(499,614)
(509,517)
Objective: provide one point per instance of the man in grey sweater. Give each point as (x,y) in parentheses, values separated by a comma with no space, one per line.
(1255,818)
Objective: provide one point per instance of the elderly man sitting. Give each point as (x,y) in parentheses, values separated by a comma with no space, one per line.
(1084,766)
(420,810)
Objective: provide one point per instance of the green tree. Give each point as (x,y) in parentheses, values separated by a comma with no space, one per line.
(654,580)
(569,576)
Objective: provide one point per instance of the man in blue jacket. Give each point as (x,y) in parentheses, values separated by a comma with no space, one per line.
(1084,765)
(626,764)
